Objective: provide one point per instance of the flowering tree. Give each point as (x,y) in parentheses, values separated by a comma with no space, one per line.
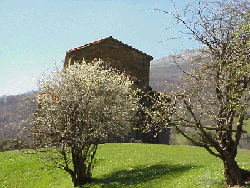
(80,107)
(215,95)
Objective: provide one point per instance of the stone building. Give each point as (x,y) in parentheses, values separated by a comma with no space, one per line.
(115,54)
(125,58)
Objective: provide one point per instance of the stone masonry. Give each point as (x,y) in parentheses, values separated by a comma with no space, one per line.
(115,54)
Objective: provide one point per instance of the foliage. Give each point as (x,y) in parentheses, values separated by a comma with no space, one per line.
(215,94)
(121,165)
(80,107)
(13,143)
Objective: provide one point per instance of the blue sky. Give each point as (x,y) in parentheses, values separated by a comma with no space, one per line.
(36,34)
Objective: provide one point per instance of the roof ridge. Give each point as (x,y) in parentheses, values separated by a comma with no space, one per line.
(87,44)
(102,39)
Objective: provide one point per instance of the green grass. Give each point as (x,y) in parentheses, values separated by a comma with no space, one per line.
(247,126)
(122,165)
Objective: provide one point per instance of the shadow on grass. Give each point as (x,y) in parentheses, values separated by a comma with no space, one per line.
(140,174)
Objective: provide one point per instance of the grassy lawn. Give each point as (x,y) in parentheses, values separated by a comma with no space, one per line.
(122,165)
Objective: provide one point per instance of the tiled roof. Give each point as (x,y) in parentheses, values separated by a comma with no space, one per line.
(101,40)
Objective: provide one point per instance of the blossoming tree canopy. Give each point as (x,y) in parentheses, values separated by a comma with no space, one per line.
(80,107)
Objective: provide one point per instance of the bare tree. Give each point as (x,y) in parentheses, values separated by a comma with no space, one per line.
(80,107)
(215,95)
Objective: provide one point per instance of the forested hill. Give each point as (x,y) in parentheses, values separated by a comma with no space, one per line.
(164,72)
(15,112)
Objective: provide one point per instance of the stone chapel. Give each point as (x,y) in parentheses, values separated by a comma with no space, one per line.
(115,54)
(126,59)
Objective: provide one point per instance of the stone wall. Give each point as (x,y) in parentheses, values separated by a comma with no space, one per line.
(117,55)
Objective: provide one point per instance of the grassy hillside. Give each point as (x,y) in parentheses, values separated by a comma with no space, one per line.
(122,165)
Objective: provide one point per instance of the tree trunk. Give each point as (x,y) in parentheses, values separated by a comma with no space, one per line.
(232,173)
(80,169)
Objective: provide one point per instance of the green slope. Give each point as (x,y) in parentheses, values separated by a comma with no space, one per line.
(122,165)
